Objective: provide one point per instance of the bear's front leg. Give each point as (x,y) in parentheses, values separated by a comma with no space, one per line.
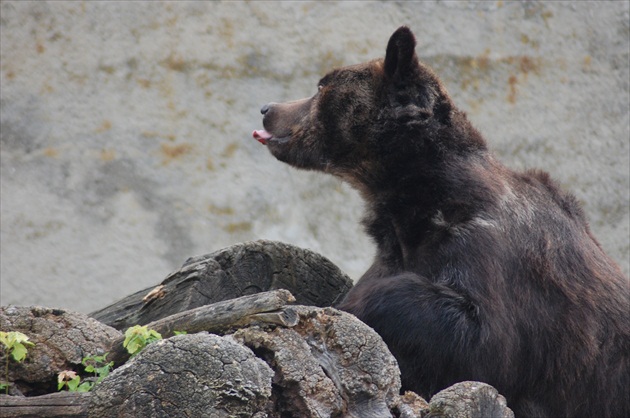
(430,328)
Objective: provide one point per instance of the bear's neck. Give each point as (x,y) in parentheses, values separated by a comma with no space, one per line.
(425,195)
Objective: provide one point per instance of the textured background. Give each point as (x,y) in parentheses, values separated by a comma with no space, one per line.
(126,126)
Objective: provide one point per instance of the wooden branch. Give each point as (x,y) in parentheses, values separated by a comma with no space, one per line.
(267,307)
(61,404)
(286,317)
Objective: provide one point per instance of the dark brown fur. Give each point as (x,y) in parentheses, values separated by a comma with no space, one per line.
(481,273)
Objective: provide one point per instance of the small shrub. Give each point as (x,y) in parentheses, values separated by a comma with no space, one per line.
(15,345)
(93,364)
(138,337)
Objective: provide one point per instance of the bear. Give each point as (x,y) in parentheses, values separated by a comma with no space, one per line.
(481,272)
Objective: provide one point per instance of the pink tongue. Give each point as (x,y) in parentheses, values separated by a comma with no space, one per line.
(262,136)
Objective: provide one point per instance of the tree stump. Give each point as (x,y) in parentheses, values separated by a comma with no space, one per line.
(242,269)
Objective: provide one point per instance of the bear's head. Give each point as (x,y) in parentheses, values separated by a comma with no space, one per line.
(363,118)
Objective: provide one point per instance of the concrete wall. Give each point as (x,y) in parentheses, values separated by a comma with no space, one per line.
(126,126)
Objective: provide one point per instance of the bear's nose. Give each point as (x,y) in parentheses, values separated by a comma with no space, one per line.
(265,109)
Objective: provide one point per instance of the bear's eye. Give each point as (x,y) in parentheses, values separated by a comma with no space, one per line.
(323,83)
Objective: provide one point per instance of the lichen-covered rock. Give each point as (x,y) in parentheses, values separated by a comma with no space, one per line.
(330,364)
(469,400)
(62,339)
(188,375)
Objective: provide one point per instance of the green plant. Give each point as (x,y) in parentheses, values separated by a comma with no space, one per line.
(72,381)
(138,337)
(92,364)
(98,366)
(15,345)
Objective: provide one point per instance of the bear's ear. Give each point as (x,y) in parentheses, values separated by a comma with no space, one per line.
(400,56)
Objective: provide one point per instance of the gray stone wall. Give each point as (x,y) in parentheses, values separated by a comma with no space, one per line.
(126,126)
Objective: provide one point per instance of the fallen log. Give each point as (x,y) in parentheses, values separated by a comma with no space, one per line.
(265,308)
(61,404)
(239,270)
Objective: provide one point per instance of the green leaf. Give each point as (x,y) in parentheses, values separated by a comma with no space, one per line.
(21,338)
(101,359)
(19,352)
(85,387)
(134,345)
(137,337)
(134,340)
(180,332)
(15,343)
(94,359)
(153,337)
(103,371)
(74,384)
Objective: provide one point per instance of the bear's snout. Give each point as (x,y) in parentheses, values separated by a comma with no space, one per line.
(281,119)
(272,120)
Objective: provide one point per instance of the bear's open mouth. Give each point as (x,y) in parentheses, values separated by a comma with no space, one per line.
(262,136)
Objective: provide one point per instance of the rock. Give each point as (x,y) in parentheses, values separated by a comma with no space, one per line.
(326,363)
(235,271)
(314,362)
(302,387)
(330,364)
(412,405)
(61,341)
(187,375)
(469,400)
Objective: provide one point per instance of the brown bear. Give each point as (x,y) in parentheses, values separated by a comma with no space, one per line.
(481,273)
